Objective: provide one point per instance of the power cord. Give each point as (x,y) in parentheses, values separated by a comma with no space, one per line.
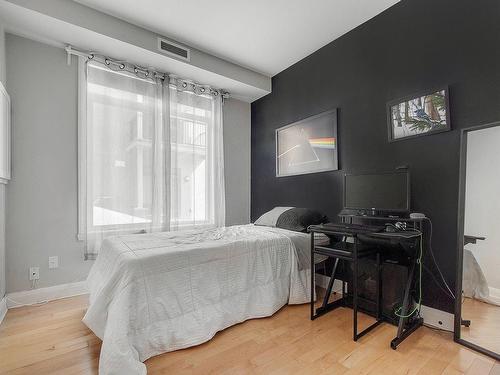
(34,284)
(451,294)
(438,283)
(446,289)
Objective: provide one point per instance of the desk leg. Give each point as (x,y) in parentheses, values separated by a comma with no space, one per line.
(313,269)
(379,288)
(403,330)
(355,292)
(406,300)
(330,284)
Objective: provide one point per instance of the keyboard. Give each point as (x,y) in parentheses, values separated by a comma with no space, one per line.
(351,228)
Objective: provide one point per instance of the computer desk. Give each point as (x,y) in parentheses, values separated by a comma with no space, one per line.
(410,242)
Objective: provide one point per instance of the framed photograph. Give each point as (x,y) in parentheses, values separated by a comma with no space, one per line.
(420,114)
(307,146)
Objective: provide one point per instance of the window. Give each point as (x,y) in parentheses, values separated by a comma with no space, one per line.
(120,122)
(139,170)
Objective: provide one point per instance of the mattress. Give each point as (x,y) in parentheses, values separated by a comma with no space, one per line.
(155,293)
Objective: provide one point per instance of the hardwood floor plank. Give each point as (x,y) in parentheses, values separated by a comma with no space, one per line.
(51,339)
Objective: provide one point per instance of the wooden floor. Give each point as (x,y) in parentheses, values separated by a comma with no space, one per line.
(485,324)
(51,339)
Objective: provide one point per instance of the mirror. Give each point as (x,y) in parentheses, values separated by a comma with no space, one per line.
(479,305)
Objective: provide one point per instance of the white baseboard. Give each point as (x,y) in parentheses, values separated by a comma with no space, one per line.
(322,281)
(495,295)
(3,308)
(35,296)
(437,318)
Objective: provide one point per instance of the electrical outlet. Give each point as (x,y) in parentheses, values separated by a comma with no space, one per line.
(34,273)
(53,262)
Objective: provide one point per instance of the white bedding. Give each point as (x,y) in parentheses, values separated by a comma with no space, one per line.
(154,293)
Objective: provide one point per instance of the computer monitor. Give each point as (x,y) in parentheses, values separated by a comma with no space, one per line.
(377,193)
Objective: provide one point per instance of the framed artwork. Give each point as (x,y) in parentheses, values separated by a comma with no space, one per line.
(5,134)
(307,146)
(419,114)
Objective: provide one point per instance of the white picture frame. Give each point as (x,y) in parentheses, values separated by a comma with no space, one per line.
(5,134)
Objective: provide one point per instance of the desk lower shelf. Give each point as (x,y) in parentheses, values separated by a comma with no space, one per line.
(344,250)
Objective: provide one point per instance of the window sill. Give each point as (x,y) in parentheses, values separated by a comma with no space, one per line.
(129,230)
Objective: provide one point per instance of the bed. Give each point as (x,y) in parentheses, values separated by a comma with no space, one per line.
(159,292)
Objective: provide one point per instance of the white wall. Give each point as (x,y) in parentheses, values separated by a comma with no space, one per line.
(42,196)
(2,186)
(482,202)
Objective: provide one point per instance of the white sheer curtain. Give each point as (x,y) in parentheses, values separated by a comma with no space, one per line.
(197,175)
(150,155)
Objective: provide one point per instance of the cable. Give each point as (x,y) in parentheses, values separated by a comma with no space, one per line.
(437,329)
(443,289)
(22,304)
(434,259)
(34,284)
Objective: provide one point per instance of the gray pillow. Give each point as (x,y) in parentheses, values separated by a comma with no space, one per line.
(291,218)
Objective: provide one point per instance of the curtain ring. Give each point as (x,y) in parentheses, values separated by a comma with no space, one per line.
(136,70)
(184,84)
(202,89)
(91,56)
(122,66)
(107,62)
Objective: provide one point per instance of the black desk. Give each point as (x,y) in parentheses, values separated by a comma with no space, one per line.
(410,242)
(472,239)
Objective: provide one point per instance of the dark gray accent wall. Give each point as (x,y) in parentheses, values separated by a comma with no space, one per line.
(412,46)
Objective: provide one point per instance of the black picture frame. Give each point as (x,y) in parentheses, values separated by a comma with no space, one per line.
(392,103)
(333,115)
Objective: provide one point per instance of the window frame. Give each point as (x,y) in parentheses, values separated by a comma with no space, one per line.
(82,178)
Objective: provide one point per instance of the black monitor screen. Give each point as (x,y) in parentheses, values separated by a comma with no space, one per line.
(383,191)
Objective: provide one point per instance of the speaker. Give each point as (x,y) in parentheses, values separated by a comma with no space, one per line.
(394,277)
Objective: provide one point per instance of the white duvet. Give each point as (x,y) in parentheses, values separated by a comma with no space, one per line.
(154,293)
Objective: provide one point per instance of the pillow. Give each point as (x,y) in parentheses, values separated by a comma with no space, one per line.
(270,218)
(291,218)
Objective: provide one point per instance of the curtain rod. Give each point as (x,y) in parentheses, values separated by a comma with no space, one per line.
(147,72)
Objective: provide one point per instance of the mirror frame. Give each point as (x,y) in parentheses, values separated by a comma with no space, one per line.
(460,242)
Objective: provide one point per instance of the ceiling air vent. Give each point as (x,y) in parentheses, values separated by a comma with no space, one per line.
(173,49)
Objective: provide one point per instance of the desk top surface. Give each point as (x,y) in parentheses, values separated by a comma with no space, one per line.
(382,218)
(408,234)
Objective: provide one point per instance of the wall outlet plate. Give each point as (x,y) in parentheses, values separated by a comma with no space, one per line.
(34,273)
(53,262)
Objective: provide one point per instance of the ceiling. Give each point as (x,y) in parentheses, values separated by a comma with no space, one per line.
(264,35)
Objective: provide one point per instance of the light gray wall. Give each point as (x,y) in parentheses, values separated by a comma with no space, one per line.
(2,53)
(2,186)
(2,242)
(237,161)
(41,199)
